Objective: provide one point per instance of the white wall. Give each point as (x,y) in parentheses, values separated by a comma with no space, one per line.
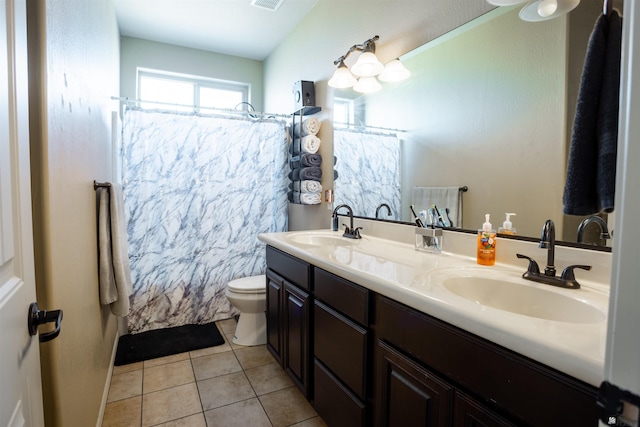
(160,56)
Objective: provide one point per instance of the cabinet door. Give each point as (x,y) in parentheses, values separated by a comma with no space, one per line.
(409,395)
(275,286)
(296,317)
(470,413)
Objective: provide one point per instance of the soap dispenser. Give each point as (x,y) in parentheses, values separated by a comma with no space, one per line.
(486,244)
(507,225)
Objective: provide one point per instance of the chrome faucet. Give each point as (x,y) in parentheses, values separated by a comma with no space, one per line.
(548,241)
(349,231)
(383,205)
(604,230)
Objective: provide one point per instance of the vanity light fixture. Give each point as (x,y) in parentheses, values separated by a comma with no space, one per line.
(362,76)
(539,10)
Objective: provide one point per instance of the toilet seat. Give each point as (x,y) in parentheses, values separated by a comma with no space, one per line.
(249,285)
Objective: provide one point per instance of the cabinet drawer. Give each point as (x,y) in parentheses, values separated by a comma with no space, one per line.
(526,390)
(289,267)
(341,345)
(334,403)
(346,297)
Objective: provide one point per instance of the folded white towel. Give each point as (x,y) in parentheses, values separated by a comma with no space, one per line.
(310,186)
(310,198)
(310,126)
(310,144)
(114,269)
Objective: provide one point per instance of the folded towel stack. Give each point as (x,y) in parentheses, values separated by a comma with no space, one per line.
(305,163)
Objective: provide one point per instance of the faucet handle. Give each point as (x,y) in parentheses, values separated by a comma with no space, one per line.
(567,273)
(533,265)
(356,233)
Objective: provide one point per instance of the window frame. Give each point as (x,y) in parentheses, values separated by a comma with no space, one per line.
(198,82)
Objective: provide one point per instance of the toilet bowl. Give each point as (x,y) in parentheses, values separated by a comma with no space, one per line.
(249,296)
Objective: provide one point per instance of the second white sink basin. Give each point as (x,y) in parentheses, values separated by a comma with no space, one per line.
(522,299)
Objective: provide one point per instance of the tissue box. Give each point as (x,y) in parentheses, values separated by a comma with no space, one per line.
(429,240)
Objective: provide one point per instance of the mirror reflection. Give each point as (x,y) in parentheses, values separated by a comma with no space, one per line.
(488,106)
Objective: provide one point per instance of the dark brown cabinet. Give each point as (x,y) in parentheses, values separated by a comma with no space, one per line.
(409,395)
(363,359)
(289,316)
(507,388)
(341,340)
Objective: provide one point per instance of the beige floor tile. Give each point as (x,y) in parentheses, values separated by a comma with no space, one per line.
(125,385)
(229,338)
(210,350)
(312,422)
(196,420)
(123,413)
(215,365)
(246,413)
(227,325)
(250,357)
(167,376)
(268,378)
(127,368)
(286,407)
(223,390)
(164,360)
(170,404)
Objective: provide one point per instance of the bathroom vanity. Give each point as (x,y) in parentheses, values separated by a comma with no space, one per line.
(373,333)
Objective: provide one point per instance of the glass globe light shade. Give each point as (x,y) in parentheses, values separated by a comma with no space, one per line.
(367,65)
(342,78)
(394,71)
(367,84)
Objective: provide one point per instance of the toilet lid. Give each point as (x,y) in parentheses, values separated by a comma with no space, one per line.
(249,285)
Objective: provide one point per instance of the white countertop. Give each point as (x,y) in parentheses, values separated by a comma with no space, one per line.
(414,278)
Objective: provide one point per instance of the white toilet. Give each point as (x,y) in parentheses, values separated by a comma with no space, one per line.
(249,296)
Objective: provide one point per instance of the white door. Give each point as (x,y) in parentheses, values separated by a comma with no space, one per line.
(20,389)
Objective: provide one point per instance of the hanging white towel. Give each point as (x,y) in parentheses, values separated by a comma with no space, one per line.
(114,270)
(443,197)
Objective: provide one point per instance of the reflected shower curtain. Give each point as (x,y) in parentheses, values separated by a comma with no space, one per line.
(197,191)
(368,166)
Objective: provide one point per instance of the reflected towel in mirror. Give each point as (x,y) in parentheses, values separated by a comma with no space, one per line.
(443,197)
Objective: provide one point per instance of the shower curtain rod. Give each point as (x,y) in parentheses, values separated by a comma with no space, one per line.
(337,125)
(197,108)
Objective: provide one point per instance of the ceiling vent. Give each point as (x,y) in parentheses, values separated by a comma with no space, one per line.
(272,5)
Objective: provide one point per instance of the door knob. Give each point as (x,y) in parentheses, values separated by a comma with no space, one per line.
(40,317)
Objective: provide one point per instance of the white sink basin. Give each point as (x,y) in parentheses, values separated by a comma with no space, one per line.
(524,300)
(317,239)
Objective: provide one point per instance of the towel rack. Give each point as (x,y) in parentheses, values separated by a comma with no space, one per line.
(607,7)
(97,185)
(463,189)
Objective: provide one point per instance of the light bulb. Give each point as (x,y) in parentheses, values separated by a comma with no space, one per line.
(547,7)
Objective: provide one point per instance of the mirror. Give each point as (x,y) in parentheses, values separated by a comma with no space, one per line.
(488,106)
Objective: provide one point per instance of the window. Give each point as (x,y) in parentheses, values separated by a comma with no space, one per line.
(343,112)
(158,90)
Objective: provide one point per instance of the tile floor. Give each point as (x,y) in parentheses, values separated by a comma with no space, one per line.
(227,385)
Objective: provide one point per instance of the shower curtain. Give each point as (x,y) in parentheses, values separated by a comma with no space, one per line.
(197,191)
(368,166)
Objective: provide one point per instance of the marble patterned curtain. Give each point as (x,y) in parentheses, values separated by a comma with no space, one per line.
(197,191)
(368,166)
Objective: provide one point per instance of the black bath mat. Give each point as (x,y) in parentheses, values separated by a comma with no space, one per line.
(165,342)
